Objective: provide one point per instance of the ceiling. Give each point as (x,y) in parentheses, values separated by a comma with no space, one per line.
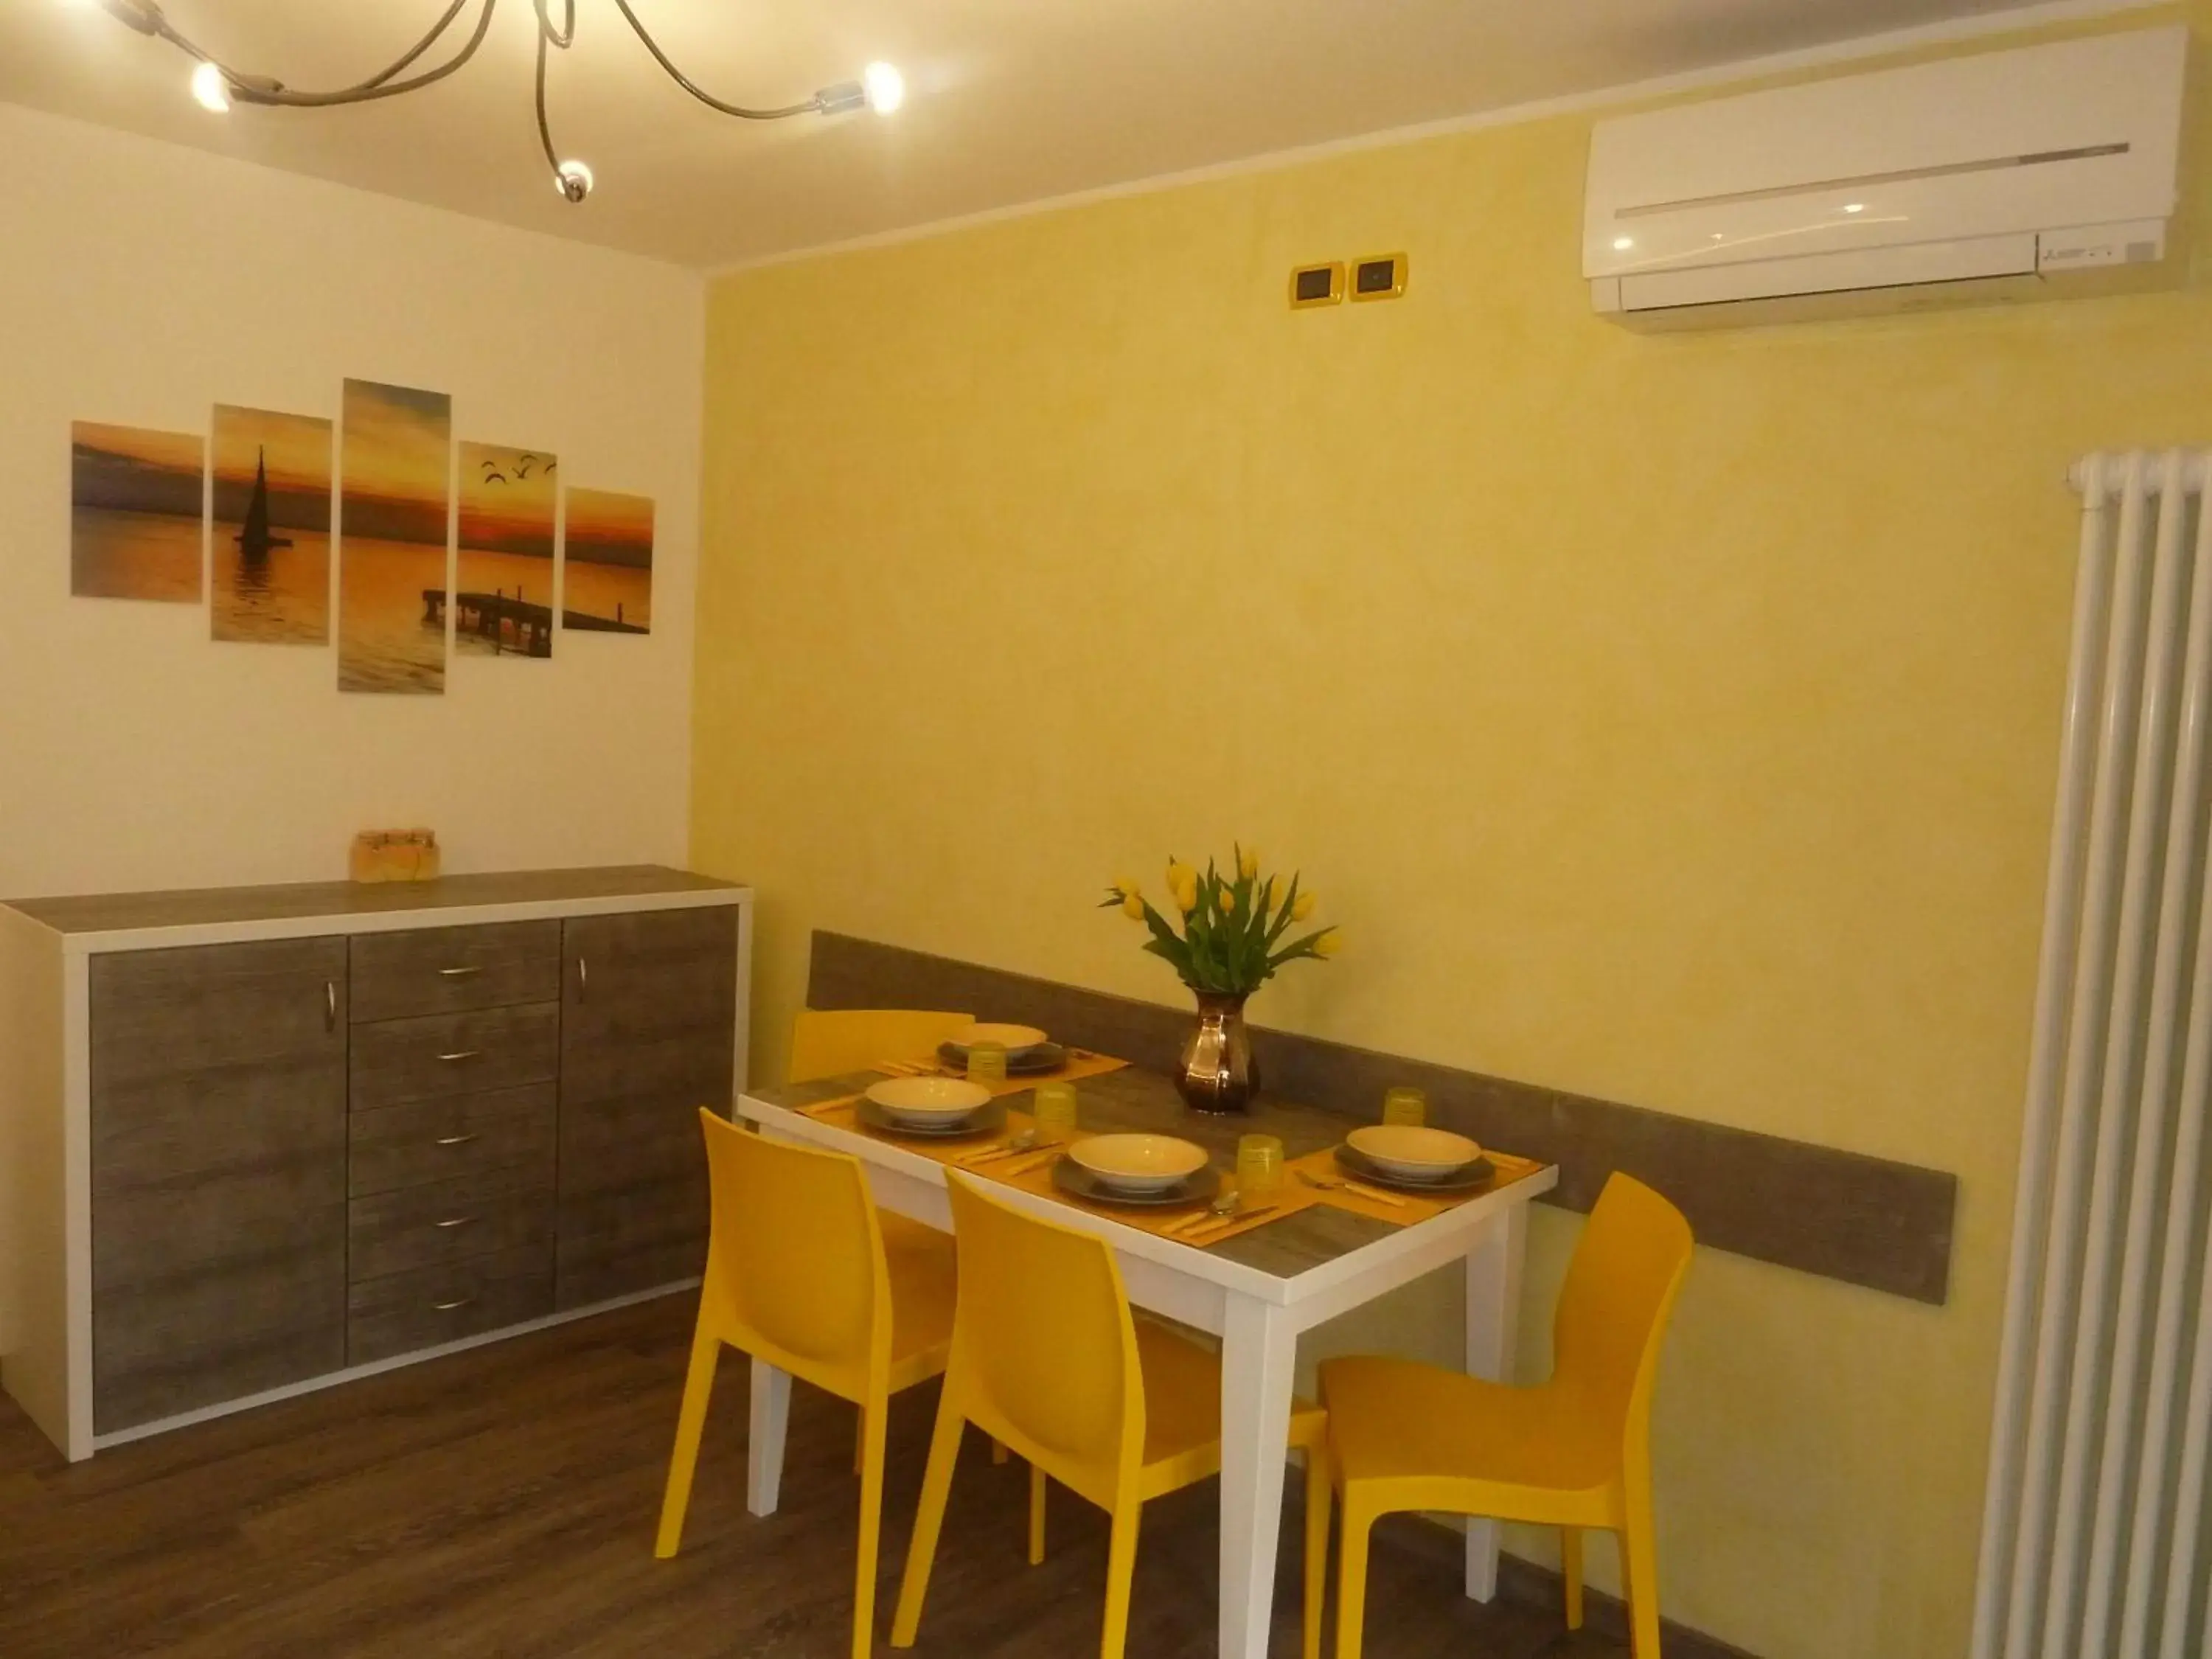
(1009,100)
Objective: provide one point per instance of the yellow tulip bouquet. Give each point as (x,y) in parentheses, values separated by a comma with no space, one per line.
(1233,925)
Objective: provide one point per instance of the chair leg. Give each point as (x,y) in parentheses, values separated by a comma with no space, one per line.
(860,1444)
(1640,1559)
(1319,1490)
(1037,1514)
(690,1424)
(1120,1576)
(929,1518)
(1351,1576)
(1570,1568)
(871,1522)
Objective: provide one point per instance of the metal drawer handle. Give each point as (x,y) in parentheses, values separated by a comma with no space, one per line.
(329,1005)
(455,1140)
(458,1221)
(447,1307)
(583,981)
(459,973)
(460,1054)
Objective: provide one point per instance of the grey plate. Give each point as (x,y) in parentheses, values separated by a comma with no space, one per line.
(1020,1062)
(1072,1178)
(1464,1179)
(991,1114)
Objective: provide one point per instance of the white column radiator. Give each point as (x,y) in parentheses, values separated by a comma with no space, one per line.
(2095,1543)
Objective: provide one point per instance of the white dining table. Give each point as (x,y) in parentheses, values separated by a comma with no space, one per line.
(1254,1291)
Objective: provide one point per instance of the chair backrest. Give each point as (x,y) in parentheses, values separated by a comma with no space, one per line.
(1044,1351)
(833,1042)
(796,1257)
(1620,1292)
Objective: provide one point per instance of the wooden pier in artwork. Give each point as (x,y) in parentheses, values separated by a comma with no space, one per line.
(488,616)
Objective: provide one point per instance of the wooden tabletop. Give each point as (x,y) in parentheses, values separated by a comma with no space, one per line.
(1136,1100)
(218,905)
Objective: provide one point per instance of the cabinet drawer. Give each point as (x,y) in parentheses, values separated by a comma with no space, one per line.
(450,1220)
(439,1055)
(451,970)
(434,1140)
(401,1313)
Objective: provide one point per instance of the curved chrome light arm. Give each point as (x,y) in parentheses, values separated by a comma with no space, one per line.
(147,18)
(701,92)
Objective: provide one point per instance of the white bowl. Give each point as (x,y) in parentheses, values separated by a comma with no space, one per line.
(1413,1153)
(1012,1038)
(1139,1164)
(928,1101)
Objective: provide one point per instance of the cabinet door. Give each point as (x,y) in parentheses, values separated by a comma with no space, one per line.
(218,1174)
(649,1035)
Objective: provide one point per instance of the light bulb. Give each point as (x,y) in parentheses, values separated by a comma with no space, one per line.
(210,88)
(574,180)
(885,86)
(1854,207)
(1622,243)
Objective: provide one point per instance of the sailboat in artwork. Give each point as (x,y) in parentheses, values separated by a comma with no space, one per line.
(254,540)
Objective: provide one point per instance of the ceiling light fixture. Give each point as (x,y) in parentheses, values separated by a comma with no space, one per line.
(217,86)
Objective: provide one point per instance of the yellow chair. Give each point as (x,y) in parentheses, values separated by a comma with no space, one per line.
(800,1273)
(1047,1359)
(1571,1453)
(832,1042)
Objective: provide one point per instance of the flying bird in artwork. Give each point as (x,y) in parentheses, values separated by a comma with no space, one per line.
(523,464)
(492,474)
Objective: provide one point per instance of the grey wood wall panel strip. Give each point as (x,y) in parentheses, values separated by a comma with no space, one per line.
(1867,1221)
(203,907)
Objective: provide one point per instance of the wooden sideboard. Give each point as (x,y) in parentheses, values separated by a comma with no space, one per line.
(258,1140)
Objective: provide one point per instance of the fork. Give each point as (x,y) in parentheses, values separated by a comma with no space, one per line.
(911,1068)
(1359,1188)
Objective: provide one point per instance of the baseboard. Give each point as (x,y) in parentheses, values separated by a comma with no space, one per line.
(1527,1584)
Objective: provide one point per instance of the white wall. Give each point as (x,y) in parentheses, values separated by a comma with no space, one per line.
(141,284)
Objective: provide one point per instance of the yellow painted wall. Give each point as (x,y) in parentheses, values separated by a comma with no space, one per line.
(1673,719)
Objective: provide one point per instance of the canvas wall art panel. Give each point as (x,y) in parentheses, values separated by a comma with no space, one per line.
(270,580)
(395,479)
(136,513)
(504,572)
(606,570)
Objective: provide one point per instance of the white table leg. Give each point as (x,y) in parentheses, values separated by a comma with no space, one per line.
(1260,1350)
(771,1414)
(1493,1319)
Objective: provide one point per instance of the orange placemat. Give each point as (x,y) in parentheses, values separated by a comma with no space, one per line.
(1081,1063)
(1387,1204)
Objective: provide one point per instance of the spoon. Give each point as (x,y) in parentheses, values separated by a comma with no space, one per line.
(1023,1142)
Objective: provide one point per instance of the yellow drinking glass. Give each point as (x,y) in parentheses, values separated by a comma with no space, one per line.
(1406,1106)
(987,1064)
(1259,1167)
(1054,1110)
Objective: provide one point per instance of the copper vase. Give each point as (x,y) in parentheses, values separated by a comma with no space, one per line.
(1217,1073)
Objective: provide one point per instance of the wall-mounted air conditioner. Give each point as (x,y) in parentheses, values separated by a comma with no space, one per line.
(1994,171)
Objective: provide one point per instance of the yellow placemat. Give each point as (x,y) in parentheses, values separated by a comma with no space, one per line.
(1388,1203)
(1081,1063)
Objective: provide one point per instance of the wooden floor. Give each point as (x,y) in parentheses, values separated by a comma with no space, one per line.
(501,1503)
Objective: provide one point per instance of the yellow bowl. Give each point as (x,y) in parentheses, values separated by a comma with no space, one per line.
(1413,1153)
(1139,1164)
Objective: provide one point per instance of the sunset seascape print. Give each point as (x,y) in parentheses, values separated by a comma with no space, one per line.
(503,584)
(394,501)
(606,571)
(135,512)
(271,541)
